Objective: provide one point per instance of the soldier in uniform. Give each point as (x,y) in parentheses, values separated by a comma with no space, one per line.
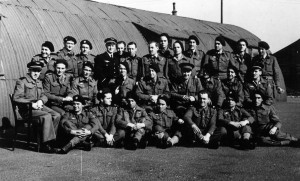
(29,89)
(133,124)
(271,68)
(68,54)
(153,57)
(218,59)
(267,125)
(121,53)
(237,122)
(134,62)
(79,126)
(258,83)
(201,123)
(184,92)
(56,86)
(151,87)
(106,64)
(164,49)
(85,86)
(84,55)
(47,57)
(166,125)
(196,55)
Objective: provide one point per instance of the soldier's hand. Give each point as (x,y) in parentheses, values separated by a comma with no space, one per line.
(117,90)
(40,104)
(196,129)
(273,130)
(153,98)
(280,90)
(160,135)
(68,98)
(235,124)
(131,125)
(244,123)
(76,132)
(206,138)
(85,132)
(180,121)
(192,98)
(185,97)
(35,106)
(140,125)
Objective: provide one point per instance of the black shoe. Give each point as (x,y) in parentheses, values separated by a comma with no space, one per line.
(46,148)
(143,144)
(87,146)
(65,149)
(168,144)
(214,145)
(135,143)
(247,144)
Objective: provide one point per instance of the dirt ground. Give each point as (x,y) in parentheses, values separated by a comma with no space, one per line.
(177,163)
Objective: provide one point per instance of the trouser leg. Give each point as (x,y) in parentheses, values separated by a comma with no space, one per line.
(45,119)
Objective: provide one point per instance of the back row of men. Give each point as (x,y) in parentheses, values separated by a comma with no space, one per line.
(164,78)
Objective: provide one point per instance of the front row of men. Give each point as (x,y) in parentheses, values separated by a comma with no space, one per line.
(131,126)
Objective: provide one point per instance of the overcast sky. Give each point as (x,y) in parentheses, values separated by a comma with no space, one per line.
(274,21)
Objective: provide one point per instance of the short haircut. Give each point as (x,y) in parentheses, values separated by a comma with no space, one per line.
(156,44)
(121,42)
(132,43)
(101,95)
(165,98)
(180,43)
(204,92)
(165,35)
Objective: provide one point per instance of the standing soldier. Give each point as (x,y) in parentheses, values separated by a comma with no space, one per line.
(29,89)
(195,54)
(57,86)
(79,126)
(68,54)
(121,53)
(106,64)
(47,57)
(218,59)
(164,49)
(85,55)
(134,62)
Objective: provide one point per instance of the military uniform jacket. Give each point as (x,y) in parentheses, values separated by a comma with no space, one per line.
(137,115)
(271,68)
(204,118)
(71,59)
(81,58)
(148,59)
(264,115)
(106,117)
(197,58)
(106,67)
(218,63)
(56,88)
(214,87)
(234,86)
(125,86)
(87,88)
(165,120)
(168,53)
(242,62)
(48,64)
(225,116)
(173,70)
(192,88)
(263,86)
(121,58)
(84,120)
(135,64)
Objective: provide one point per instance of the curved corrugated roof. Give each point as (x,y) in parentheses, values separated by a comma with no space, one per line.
(26,24)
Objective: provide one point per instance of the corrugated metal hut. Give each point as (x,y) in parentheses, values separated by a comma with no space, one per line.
(26,24)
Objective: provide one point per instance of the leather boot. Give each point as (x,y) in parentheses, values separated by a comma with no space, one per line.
(66,148)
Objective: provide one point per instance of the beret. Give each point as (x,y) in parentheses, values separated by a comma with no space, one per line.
(232,68)
(79,98)
(155,67)
(86,42)
(131,95)
(88,64)
(264,45)
(58,61)
(233,96)
(186,66)
(126,65)
(70,38)
(221,40)
(35,65)
(110,40)
(49,45)
(193,37)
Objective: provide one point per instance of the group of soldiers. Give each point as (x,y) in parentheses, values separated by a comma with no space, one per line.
(166,97)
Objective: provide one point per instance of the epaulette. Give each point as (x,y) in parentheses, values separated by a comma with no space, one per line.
(22,78)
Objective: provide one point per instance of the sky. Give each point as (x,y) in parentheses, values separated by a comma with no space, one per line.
(274,21)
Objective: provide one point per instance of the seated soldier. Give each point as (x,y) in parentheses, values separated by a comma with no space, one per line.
(56,86)
(151,87)
(85,85)
(166,125)
(237,122)
(133,124)
(184,92)
(258,84)
(234,85)
(79,126)
(29,89)
(201,123)
(267,125)
(106,114)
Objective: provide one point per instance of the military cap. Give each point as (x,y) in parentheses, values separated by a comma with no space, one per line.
(102,93)
(258,66)
(259,92)
(49,45)
(125,65)
(131,95)
(58,61)
(186,66)
(155,67)
(232,68)
(165,98)
(193,37)
(110,40)
(88,64)
(79,98)
(35,65)
(70,38)
(221,40)
(166,35)
(242,40)
(86,42)
(232,95)
(264,45)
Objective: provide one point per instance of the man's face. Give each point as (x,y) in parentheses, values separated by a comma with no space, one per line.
(204,100)
(87,71)
(120,48)
(34,73)
(110,47)
(132,50)
(69,45)
(186,74)
(131,103)
(256,73)
(162,105)
(153,49)
(60,69)
(206,75)
(45,52)
(192,44)
(177,49)
(262,51)
(163,42)
(218,46)
(231,74)
(123,70)
(152,73)
(231,102)
(258,99)
(242,46)
(77,106)
(85,49)
(107,99)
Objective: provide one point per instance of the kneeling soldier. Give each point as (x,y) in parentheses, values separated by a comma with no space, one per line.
(133,123)
(79,125)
